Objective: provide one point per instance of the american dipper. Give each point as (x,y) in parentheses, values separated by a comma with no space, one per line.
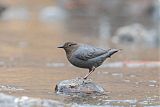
(86,56)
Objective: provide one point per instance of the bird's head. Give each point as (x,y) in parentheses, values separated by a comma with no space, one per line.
(69,46)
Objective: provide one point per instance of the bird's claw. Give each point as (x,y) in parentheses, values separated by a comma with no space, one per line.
(85,78)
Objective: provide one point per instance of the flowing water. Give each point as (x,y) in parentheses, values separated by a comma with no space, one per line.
(31,65)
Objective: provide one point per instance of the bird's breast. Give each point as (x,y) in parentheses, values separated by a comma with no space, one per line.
(80,63)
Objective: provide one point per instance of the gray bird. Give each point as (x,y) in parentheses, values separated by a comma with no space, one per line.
(86,56)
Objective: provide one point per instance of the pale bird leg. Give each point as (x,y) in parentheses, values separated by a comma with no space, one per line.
(92,70)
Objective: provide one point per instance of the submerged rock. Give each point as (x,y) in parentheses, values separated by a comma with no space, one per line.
(10,88)
(78,86)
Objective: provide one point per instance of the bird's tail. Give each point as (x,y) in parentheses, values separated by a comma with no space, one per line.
(112,51)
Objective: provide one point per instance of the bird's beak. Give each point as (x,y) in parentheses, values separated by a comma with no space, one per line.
(60,47)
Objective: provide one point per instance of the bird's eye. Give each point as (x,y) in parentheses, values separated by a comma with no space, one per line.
(70,45)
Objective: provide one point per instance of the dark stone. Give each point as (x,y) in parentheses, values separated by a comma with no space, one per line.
(2,9)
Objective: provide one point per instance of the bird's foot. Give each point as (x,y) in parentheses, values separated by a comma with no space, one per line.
(85,78)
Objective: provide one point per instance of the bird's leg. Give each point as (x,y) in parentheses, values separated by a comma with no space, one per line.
(90,71)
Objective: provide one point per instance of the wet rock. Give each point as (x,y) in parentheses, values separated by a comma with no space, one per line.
(136,35)
(78,86)
(11,101)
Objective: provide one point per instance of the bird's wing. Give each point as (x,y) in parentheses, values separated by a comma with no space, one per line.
(88,52)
